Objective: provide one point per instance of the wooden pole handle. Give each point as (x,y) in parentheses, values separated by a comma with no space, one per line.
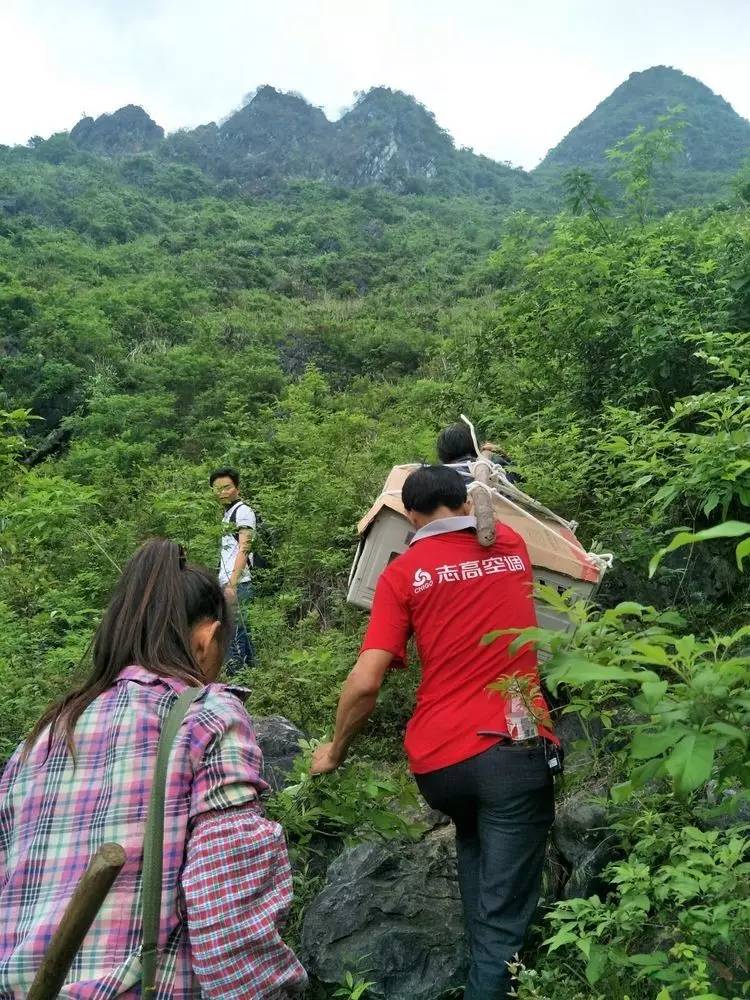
(483,508)
(79,914)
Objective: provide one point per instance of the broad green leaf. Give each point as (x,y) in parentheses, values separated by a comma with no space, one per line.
(596,963)
(621,792)
(712,501)
(641,482)
(742,552)
(562,937)
(651,653)
(648,745)
(727,529)
(568,668)
(730,731)
(627,608)
(654,691)
(691,761)
(655,960)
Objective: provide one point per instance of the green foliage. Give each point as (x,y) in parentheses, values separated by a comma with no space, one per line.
(156,325)
(727,529)
(715,138)
(696,882)
(353,989)
(639,155)
(351,803)
(676,914)
(582,195)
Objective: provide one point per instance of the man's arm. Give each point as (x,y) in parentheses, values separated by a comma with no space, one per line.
(358,698)
(245,541)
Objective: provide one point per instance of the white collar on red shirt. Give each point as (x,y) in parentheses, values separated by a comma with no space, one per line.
(442,525)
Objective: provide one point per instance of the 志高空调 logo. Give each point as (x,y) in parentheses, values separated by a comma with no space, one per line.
(422,581)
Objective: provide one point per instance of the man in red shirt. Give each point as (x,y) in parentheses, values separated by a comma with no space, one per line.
(449,591)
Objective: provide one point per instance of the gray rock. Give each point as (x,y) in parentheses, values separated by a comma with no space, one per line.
(585,842)
(279,739)
(725,808)
(586,878)
(579,742)
(391,913)
(125,132)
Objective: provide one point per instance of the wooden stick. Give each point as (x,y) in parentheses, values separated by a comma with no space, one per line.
(79,914)
(483,509)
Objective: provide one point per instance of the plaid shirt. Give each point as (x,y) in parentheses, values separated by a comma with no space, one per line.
(227,883)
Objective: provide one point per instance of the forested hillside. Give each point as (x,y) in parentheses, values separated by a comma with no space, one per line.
(389,139)
(714,139)
(157,321)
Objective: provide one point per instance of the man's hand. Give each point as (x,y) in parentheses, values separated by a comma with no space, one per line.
(230,593)
(324,760)
(358,697)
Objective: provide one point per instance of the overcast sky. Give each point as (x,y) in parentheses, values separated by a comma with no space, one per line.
(506,77)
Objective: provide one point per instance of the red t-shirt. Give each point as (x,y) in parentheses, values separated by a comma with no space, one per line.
(450,591)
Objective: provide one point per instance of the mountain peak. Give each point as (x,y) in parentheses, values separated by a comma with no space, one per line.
(397,111)
(716,138)
(270,119)
(126,131)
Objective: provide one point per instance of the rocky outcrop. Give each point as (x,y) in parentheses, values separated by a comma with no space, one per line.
(280,741)
(583,839)
(392,912)
(275,134)
(387,138)
(128,131)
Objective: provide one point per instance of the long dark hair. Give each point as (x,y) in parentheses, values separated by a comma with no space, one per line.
(156,601)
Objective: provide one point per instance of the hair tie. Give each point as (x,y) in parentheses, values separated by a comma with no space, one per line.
(182,558)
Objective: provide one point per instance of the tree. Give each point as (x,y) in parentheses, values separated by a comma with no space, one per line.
(639,155)
(582,195)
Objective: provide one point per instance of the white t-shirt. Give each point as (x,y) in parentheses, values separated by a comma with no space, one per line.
(244,517)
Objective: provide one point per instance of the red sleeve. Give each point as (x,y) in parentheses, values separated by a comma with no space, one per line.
(390,623)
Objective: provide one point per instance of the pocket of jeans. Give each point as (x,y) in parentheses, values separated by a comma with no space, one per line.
(527,765)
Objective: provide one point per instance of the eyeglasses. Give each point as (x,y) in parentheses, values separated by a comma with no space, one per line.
(222,489)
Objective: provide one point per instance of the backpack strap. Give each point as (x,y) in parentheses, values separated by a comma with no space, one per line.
(232,512)
(153,845)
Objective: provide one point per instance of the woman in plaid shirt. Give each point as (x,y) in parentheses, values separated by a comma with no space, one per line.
(83,778)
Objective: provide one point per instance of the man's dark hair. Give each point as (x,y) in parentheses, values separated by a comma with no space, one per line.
(454,443)
(226,473)
(431,487)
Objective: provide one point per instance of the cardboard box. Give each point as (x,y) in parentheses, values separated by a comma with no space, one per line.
(557,557)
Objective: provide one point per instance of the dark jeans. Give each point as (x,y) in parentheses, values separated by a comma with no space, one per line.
(241,651)
(502,802)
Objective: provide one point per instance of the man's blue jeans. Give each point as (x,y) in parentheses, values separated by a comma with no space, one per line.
(502,803)
(241,651)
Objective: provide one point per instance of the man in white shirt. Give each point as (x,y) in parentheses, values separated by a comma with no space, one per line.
(235,562)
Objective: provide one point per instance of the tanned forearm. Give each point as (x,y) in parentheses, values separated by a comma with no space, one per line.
(356,705)
(240,562)
(358,697)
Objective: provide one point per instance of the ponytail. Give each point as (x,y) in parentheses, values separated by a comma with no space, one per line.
(155,603)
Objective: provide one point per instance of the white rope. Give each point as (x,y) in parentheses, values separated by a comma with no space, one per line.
(601,560)
(497,472)
(473,434)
